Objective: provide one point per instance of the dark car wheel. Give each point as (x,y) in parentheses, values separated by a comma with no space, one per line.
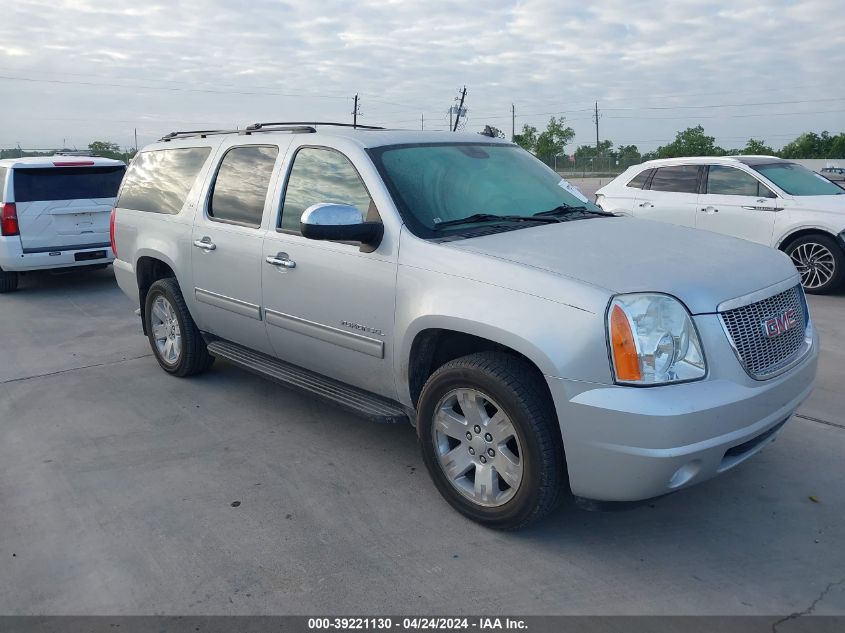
(490,439)
(176,342)
(820,262)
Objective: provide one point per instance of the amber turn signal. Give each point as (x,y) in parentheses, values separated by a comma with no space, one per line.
(625,359)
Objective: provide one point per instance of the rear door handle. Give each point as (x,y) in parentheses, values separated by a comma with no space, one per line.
(280,259)
(709,210)
(205,244)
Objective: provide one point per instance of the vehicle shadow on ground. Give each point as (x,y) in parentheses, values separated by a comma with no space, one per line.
(42,282)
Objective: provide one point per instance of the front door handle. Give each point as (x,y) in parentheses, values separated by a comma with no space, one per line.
(205,244)
(646,204)
(280,259)
(709,210)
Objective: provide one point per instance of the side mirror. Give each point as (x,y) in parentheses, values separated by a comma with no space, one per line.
(340,223)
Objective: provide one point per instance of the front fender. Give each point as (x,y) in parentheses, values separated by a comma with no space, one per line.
(561,340)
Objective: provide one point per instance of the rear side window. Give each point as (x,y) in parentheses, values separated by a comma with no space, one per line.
(677,178)
(2,182)
(66,183)
(728,181)
(159,181)
(322,175)
(638,181)
(240,188)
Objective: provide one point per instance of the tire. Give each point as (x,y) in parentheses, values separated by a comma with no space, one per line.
(502,387)
(165,313)
(820,262)
(8,281)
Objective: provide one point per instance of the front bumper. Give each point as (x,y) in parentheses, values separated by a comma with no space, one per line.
(629,443)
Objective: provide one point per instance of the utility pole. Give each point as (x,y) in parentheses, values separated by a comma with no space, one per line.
(355,112)
(596,121)
(513,122)
(422,121)
(136,140)
(460,108)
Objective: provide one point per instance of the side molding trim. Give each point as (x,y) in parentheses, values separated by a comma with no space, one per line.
(349,340)
(228,303)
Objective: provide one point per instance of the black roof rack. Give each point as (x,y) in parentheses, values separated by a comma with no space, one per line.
(205,133)
(275,126)
(258,126)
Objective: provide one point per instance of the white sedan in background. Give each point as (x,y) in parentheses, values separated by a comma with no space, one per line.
(759,198)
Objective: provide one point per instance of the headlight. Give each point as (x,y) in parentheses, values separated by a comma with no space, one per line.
(653,341)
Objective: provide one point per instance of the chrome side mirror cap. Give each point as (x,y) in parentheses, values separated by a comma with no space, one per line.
(339,223)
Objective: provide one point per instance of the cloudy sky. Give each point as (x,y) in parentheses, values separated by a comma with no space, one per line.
(72,71)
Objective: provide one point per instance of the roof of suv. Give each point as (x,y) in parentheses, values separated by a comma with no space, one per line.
(60,160)
(719,160)
(366,138)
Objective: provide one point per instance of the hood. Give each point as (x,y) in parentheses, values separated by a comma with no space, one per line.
(825,204)
(623,255)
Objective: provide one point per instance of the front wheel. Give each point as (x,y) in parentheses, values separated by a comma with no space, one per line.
(176,342)
(820,262)
(490,439)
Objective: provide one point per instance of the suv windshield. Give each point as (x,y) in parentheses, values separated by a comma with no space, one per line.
(797,180)
(440,184)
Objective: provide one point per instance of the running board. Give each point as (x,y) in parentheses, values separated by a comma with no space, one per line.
(358,401)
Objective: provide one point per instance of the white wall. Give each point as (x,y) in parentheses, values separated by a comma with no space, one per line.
(816,164)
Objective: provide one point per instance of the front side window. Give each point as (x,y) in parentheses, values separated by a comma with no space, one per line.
(321,175)
(797,180)
(728,181)
(437,183)
(243,180)
(67,183)
(677,178)
(159,181)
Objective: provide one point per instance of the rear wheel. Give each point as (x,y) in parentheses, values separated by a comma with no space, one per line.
(490,439)
(175,340)
(8,281)
(820,262)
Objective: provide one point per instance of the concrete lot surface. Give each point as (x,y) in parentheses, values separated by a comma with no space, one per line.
(117,487)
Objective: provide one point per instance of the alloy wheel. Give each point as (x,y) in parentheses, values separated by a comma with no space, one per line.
(815,263)
(166,332)
(477,447)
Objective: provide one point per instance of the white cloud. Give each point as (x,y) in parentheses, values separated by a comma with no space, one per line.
(221,62)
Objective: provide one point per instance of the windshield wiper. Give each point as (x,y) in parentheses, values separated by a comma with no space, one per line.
(567,209)
(491,217)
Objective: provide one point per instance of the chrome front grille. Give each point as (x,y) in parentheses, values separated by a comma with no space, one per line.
(763,356)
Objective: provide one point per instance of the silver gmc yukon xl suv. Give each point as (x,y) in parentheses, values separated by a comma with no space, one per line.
(455,282)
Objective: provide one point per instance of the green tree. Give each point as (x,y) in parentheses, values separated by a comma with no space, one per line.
(585,152)
(527,139)
(690,142)
(106,149)
(753,146)
(628,155)
(553,140)
(812,145)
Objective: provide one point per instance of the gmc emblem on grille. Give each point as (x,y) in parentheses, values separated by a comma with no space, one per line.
(777,325)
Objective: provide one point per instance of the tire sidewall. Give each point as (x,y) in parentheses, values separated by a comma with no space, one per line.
(162,289)
(526,497)
(838,258)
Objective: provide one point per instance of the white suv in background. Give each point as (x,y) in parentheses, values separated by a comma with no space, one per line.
(55,213)
(759,198)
